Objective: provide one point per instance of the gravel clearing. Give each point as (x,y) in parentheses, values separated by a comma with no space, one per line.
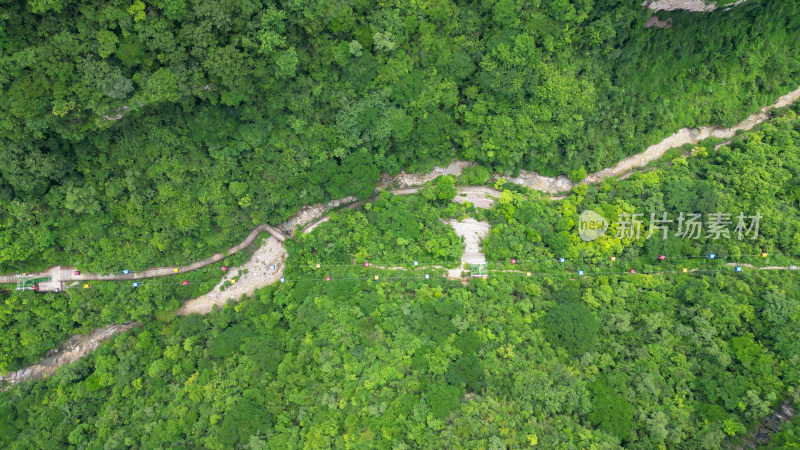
(403,179)
(308,214)
(687,5)
(257,276)
(473,232)
(479,196)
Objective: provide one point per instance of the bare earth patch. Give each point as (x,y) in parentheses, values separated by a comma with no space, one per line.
(415,179)
(473,232)
(308,214)
(257,276)
(687,5)
(656,22)
(479,196)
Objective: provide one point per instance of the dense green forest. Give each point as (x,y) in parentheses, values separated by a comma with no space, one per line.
(137,133)
(687,360)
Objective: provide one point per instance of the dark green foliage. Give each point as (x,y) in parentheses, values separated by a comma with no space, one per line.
(466,371)
(442,399)
(611,411)
(228,341)
(572,326)
(244,420)
(8,425)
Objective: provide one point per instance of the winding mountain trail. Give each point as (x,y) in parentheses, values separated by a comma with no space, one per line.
(555,185)
(259,271)
(61,275)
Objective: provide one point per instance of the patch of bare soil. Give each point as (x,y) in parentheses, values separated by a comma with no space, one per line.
(472,232)
(656,22)
(480,196)
(403,179)
(252,275)
(686,5)
(69,351)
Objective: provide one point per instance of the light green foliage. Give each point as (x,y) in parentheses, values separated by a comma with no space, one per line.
(476,175)
(107,43)
(578,175)
(393,231)
(443,190)
(137,10)
(161,86)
